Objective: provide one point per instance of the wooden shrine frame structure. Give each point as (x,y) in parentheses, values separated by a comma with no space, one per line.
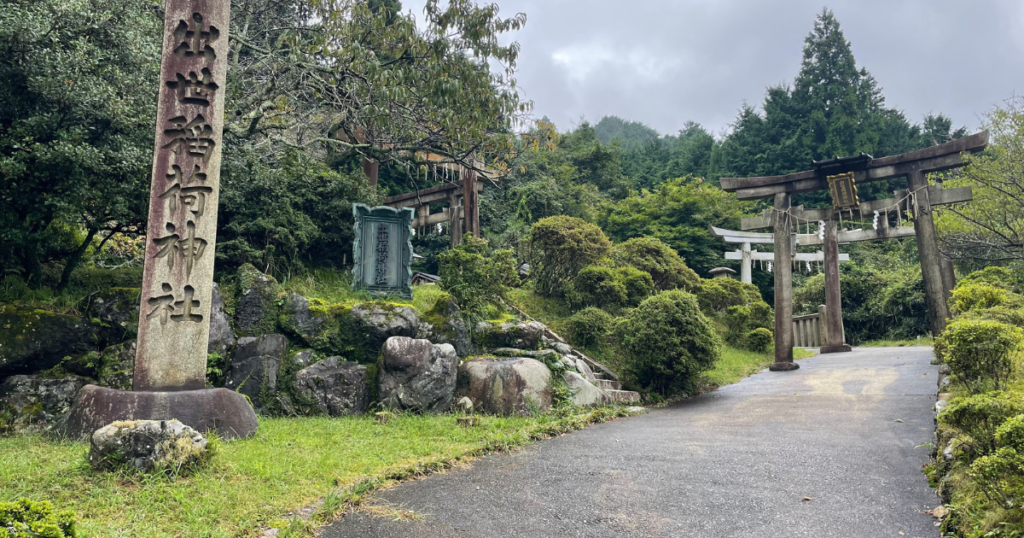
(919,199)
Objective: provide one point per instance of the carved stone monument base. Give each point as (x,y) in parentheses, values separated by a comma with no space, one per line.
(842,348)
(220,410)
(783,366)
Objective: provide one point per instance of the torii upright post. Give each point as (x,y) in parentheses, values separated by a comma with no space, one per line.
(783,285)
(835,336)
(928,251)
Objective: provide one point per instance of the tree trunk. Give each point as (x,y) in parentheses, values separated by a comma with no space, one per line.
(75,260)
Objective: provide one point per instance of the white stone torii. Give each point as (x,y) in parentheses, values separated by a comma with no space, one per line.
(747,256)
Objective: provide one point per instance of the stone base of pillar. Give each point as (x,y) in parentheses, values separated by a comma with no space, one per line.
(223,411)
(842,348)
(783,366)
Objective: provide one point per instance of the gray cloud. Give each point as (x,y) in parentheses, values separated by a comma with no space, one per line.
(664,62)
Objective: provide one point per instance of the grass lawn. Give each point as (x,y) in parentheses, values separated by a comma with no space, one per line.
(920,341)
(736,364)
(253,483)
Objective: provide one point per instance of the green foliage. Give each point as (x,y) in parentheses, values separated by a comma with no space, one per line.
(639,284)
(76,127)
(760,340)
(993,275)
(990,229)
(879,302)
(597,285)
(605,287)
(980,353)
(981,296)
(979,416)
(656,258)
(678,213)
(589,327)
(284,217)
(475,276)
(716,295)
(667,342)
(559,248)
(25,518)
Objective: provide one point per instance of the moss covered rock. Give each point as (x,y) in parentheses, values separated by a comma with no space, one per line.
(35,340)
(258,297)
(520,335)
(147,445)
(34,403)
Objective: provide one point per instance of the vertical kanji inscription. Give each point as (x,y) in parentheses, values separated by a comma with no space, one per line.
(178,278)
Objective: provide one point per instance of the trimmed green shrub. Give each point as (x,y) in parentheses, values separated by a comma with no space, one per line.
(999,277)
(718,294)
(760,340)
(980,416)
(639,284)
(589,327)
(666,342)
(1002,314)
(599,286)
(559,248)
(604,287)
(1011,433)
(475,276)
(980,296)
(35,519)
(980,353)
(667,268)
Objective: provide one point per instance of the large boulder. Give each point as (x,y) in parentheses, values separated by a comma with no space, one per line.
(147,445)
(35,340)
(505,386)
(381,321)
(333,387)
(254,366)
(584,393)
(222,338)
(32,403)
(418,375)
(520,335)
(257,309)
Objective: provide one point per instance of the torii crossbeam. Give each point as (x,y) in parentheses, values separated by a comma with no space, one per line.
(849,172)
(747,256)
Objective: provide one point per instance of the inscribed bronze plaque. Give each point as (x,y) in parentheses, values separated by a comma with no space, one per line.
(844,191)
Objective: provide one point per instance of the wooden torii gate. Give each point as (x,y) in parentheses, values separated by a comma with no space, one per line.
(841,176)
(747,256)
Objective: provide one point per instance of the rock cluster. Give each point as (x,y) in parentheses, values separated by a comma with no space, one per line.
(333,387)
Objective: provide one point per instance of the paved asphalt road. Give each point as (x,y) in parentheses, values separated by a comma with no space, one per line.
(841,430)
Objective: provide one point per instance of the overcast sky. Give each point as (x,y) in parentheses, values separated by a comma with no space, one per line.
(664,62)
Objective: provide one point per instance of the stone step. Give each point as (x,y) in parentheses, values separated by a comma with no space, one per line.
(623,396)
(598,375)
(608,384)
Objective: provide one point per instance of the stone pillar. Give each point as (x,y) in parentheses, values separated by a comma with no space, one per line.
(471,201)
(836,341)
(783,267)
(177,282)
(745,264)
(928,251)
